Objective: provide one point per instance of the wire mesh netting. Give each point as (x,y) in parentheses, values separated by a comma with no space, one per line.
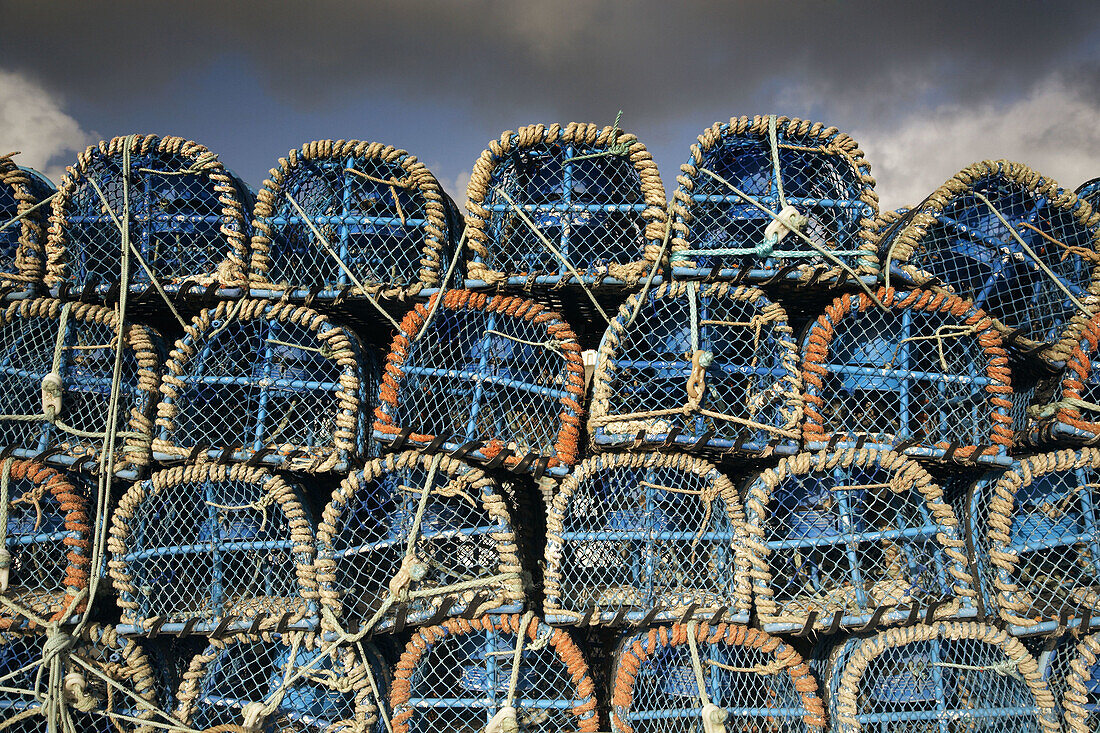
(941,678)
(462,675)
(1089,191)
(383,542)
(551,204)
(1073,413)
(760,683)
(926,375)
(284,683)
(498,372)
(646,536)
(861,535)
(372,207)
(57,363)
(22,226)
(752,182)
(92,704)
(184,214)
(1012,241)
(265,381)
(198,547)
(1037,536)
(170,657)
(45,544)
(712,367)
(1074,679)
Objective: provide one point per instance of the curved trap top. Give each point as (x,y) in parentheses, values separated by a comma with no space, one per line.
(23,223)
(1038,533)
(1011,240)
(757,681)
(858,538)
(926,376)
(462,677)
(383,542)
(201,546)
(940,677)
(749,182)
(647,536)
(266,381)
(128,704)
(550,205)
(1074,678)
(286,683)
(712,367)
(45,544)
(498,376)
(345,214)
(57,364)
(1073,413)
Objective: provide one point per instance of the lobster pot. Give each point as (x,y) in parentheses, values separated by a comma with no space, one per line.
(458,678)
(1037,535)
(57,379)
(170,657)
(758,681)
(375,209)
(711,367)
(856,538)
(646,536)
(267,382)
(498,372)
(1089,192)
(925,375)
(308,686)
(749,182)
(1013,242)
(1073,413)
(1074,678)
(549,205)
(383,543)
(22,227)
(197,546)
(184,216)
(942,677)
(47,544)
(128,705)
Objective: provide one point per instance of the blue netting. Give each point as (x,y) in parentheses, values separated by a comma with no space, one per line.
(23,242)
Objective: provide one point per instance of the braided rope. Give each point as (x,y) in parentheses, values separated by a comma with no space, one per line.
(638,649)
(340,346)
(234,225)
(30,253)
(844,703)
(810,136)
(590,470)
(817,351)
(275,491)
(1071,408)
(905,476)
(565,447)
(907,239)
(437,229)
(503,587)
(481,184)
(422,642)
(1085,655)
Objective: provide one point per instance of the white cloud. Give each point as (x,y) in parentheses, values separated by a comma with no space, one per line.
(457,190)
(33,122)
(1053,129)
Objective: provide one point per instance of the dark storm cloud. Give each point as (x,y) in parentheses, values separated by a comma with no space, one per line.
(653,58)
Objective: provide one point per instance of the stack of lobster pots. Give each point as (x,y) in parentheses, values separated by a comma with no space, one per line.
(750,454)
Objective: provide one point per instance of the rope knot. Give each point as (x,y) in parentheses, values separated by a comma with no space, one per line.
(76,693)
(696,382)
(788,220)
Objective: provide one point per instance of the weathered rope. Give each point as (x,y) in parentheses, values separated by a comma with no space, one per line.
(27,212)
